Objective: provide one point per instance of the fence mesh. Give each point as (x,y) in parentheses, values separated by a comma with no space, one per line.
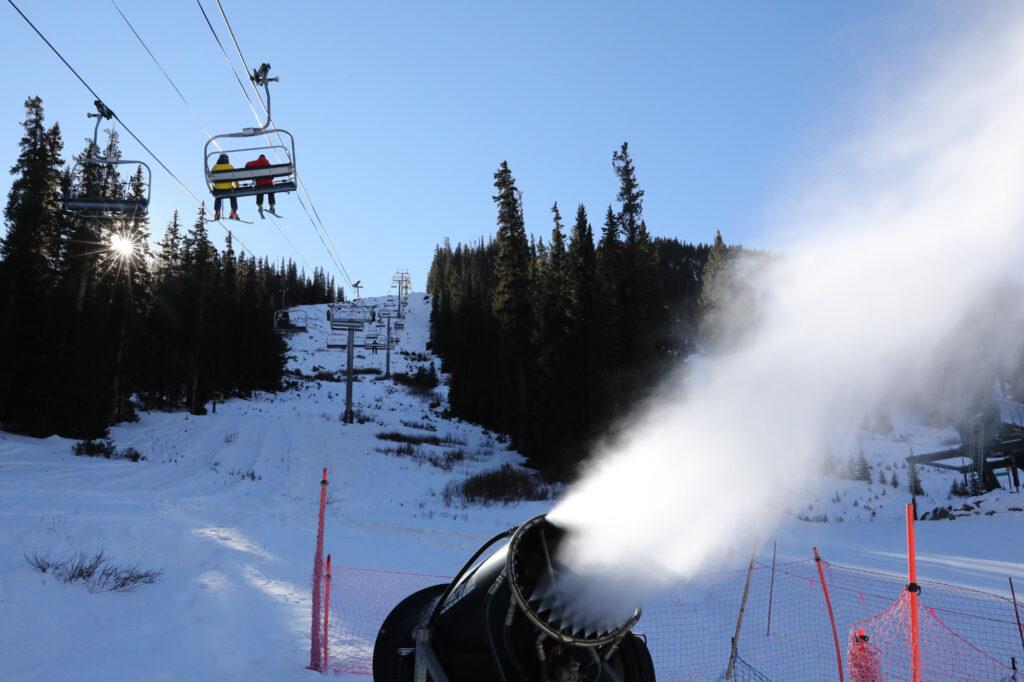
(966,634)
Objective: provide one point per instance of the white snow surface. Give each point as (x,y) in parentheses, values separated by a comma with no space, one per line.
(233,600)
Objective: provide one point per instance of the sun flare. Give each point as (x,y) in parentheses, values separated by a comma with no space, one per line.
(122,246)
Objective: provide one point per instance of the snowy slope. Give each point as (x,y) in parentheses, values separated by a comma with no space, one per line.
(225,506)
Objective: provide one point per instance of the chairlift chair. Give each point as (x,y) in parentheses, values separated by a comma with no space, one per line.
(339,340)
(103,207)
(290,321)
(243,181)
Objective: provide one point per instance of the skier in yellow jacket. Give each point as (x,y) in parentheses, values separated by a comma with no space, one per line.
(222,165)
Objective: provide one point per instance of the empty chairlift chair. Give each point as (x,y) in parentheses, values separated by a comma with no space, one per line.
(244,182)
(85,197)
(290,321)
(346,317)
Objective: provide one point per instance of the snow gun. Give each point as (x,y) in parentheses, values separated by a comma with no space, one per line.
(505,619)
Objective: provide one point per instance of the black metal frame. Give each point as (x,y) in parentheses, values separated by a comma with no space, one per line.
(104,207)
(275,172)
(286,314)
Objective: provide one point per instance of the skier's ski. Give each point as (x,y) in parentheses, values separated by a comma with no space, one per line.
(236,220)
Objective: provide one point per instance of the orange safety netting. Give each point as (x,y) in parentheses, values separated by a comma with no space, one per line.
(880,648)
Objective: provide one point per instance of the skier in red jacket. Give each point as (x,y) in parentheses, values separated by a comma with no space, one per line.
(262,182)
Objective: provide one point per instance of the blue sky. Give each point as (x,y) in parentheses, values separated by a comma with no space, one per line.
(402,110)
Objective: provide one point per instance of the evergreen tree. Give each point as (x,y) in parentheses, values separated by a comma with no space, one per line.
(511,303)
(636,287)
(974,486)
(126,284)
(27,272)
(609,327)
(862,470)
(630,195)
(580,268)
(166,325)
(199,259)
(709,295)
(914,481)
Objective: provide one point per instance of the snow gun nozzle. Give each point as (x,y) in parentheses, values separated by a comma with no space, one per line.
(520,609)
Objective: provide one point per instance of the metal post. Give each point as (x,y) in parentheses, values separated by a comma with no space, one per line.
(739,619)
(326,640)
(348,416)
(387,358)
(1016,612)
(771,590)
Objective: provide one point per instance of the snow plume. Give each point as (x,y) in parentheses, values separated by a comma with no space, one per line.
(906,275)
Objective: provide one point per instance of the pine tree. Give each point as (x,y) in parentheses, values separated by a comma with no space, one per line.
(974,487)
(881,477)
(862,468)
(167,327)
(609,325)
(126,282)
(199,258)
(27,272)
(168,257)
(630,195)
(914,481)
(580,257)
(894,481)
(709,295)
(511,302)
(635,272)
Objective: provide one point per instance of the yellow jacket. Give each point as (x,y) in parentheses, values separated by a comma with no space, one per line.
(224,185)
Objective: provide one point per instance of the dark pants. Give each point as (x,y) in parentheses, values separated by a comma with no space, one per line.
(259,199)
(217,200)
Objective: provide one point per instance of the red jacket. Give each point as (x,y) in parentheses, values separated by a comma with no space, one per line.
(261,163)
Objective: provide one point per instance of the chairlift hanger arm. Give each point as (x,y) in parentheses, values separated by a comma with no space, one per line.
(103,113)
(261,76)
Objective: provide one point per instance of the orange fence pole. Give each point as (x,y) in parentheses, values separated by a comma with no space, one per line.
(315,646)
(913,589)
(831,617)
(327,608)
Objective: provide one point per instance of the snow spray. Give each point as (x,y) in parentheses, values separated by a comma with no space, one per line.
(899,268)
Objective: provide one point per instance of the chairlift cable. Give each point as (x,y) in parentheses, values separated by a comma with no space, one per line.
(285,235)
(228,60)
(163,71)
(325,237)
(88,87)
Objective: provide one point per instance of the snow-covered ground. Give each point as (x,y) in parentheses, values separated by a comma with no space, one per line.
(225,506)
